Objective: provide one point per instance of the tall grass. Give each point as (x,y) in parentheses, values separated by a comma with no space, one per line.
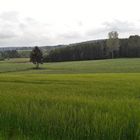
(22,65)
(70,106)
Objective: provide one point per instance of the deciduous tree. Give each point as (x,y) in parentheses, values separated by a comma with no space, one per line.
(36,57)
(113,43)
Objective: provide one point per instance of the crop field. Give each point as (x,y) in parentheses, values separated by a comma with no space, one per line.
(83,100)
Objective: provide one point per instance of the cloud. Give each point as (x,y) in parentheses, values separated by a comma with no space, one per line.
(17,30)
(20,31)
(11,16)
(71,35)
(122,27)
(8,35)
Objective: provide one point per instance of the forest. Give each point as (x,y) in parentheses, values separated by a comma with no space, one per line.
(93,50)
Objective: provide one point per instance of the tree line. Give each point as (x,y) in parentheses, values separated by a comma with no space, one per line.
(9,54)
(113,47)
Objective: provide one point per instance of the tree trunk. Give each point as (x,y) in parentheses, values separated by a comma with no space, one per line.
(112,54)
(37,65)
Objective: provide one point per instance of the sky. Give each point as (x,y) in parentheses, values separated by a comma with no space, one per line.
(54,22)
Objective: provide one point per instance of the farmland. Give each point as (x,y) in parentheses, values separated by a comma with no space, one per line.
(81,100)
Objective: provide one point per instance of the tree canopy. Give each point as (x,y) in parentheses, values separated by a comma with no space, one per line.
(36,56)
(113,43)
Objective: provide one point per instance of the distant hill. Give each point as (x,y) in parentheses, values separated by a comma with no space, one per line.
(86,50)
(47,48)
(14,48)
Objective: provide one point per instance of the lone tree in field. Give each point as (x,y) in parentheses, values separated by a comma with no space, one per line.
(113,43)
(36,57)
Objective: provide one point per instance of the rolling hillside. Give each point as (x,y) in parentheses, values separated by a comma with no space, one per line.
(82,100)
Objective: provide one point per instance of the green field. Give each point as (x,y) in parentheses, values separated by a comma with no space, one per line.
(85,100)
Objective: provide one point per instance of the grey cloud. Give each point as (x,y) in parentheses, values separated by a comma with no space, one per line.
(19,31)
(15,30)
(8,35)
(80,23)
(122,27)
(11,16)
(71,35)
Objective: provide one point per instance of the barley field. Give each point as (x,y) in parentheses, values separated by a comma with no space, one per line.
(83,100)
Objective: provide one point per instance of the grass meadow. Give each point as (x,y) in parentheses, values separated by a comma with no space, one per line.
(83,100)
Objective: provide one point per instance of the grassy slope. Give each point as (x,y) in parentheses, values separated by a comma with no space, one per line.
(71,106)
(97,66)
